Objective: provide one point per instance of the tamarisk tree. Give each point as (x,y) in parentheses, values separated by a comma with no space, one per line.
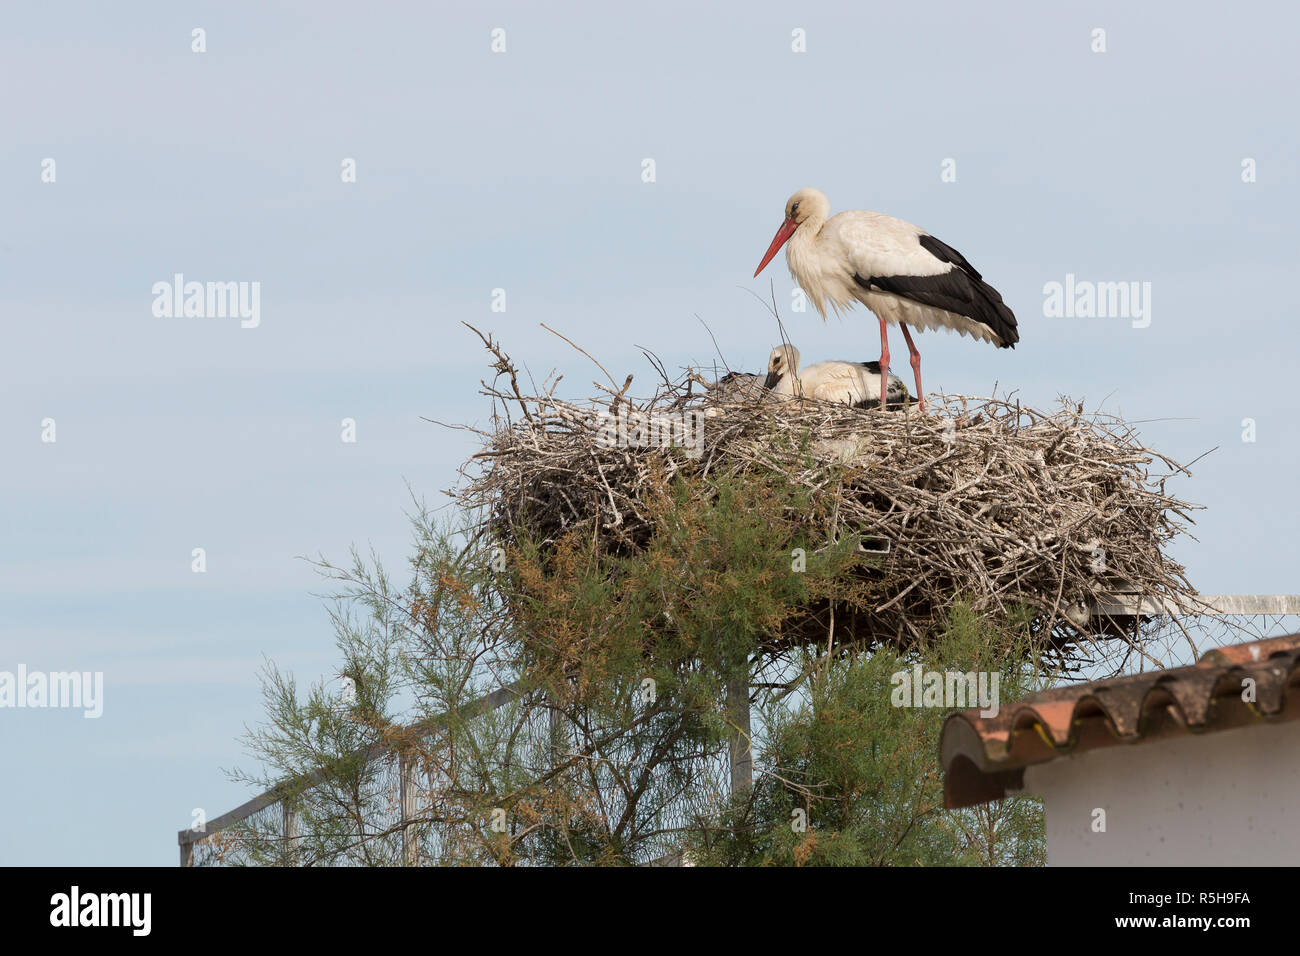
(559,702)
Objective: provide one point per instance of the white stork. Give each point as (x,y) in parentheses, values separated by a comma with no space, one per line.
(853,383)
(897,270)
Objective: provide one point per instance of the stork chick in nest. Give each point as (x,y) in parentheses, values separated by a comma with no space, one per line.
(853,383)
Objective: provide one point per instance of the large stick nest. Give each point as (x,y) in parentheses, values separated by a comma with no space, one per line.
(978,499)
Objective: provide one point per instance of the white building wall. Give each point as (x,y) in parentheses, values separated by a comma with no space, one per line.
(1229,797)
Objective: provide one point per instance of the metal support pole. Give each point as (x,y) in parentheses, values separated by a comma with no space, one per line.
(289,821)
(410,835)
(740,748)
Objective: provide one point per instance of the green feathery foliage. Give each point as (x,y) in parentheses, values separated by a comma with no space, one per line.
(851,779)
(613,748)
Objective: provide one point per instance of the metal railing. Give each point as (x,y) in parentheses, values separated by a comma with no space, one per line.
(400,818)
(259,825)
(1178,632)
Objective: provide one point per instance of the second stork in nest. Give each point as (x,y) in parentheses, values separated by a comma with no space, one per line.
(852,383)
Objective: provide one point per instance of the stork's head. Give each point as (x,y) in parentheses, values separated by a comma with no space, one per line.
(807,204)
(784,360)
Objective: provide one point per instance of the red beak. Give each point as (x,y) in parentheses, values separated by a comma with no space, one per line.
(785,232)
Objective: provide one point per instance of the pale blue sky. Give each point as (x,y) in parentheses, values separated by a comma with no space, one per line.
(522,170)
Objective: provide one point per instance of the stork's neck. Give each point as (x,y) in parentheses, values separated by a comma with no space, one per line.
(801,243)
(801,255)
(810,227)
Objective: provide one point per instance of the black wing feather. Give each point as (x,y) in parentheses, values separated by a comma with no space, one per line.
(946,253)
(961,290)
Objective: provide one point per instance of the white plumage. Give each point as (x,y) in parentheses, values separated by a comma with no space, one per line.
(853,383)
(897,270)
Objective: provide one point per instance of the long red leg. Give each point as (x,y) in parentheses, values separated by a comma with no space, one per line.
(916,366)
(884,360)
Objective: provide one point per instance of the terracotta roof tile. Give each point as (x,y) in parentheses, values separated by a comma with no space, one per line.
(984,756)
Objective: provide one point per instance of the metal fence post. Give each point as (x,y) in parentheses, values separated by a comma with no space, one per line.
(289,824)
(558,733)
(410,835)
(739,748)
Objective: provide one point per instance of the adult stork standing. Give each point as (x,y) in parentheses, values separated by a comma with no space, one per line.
(897,270)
